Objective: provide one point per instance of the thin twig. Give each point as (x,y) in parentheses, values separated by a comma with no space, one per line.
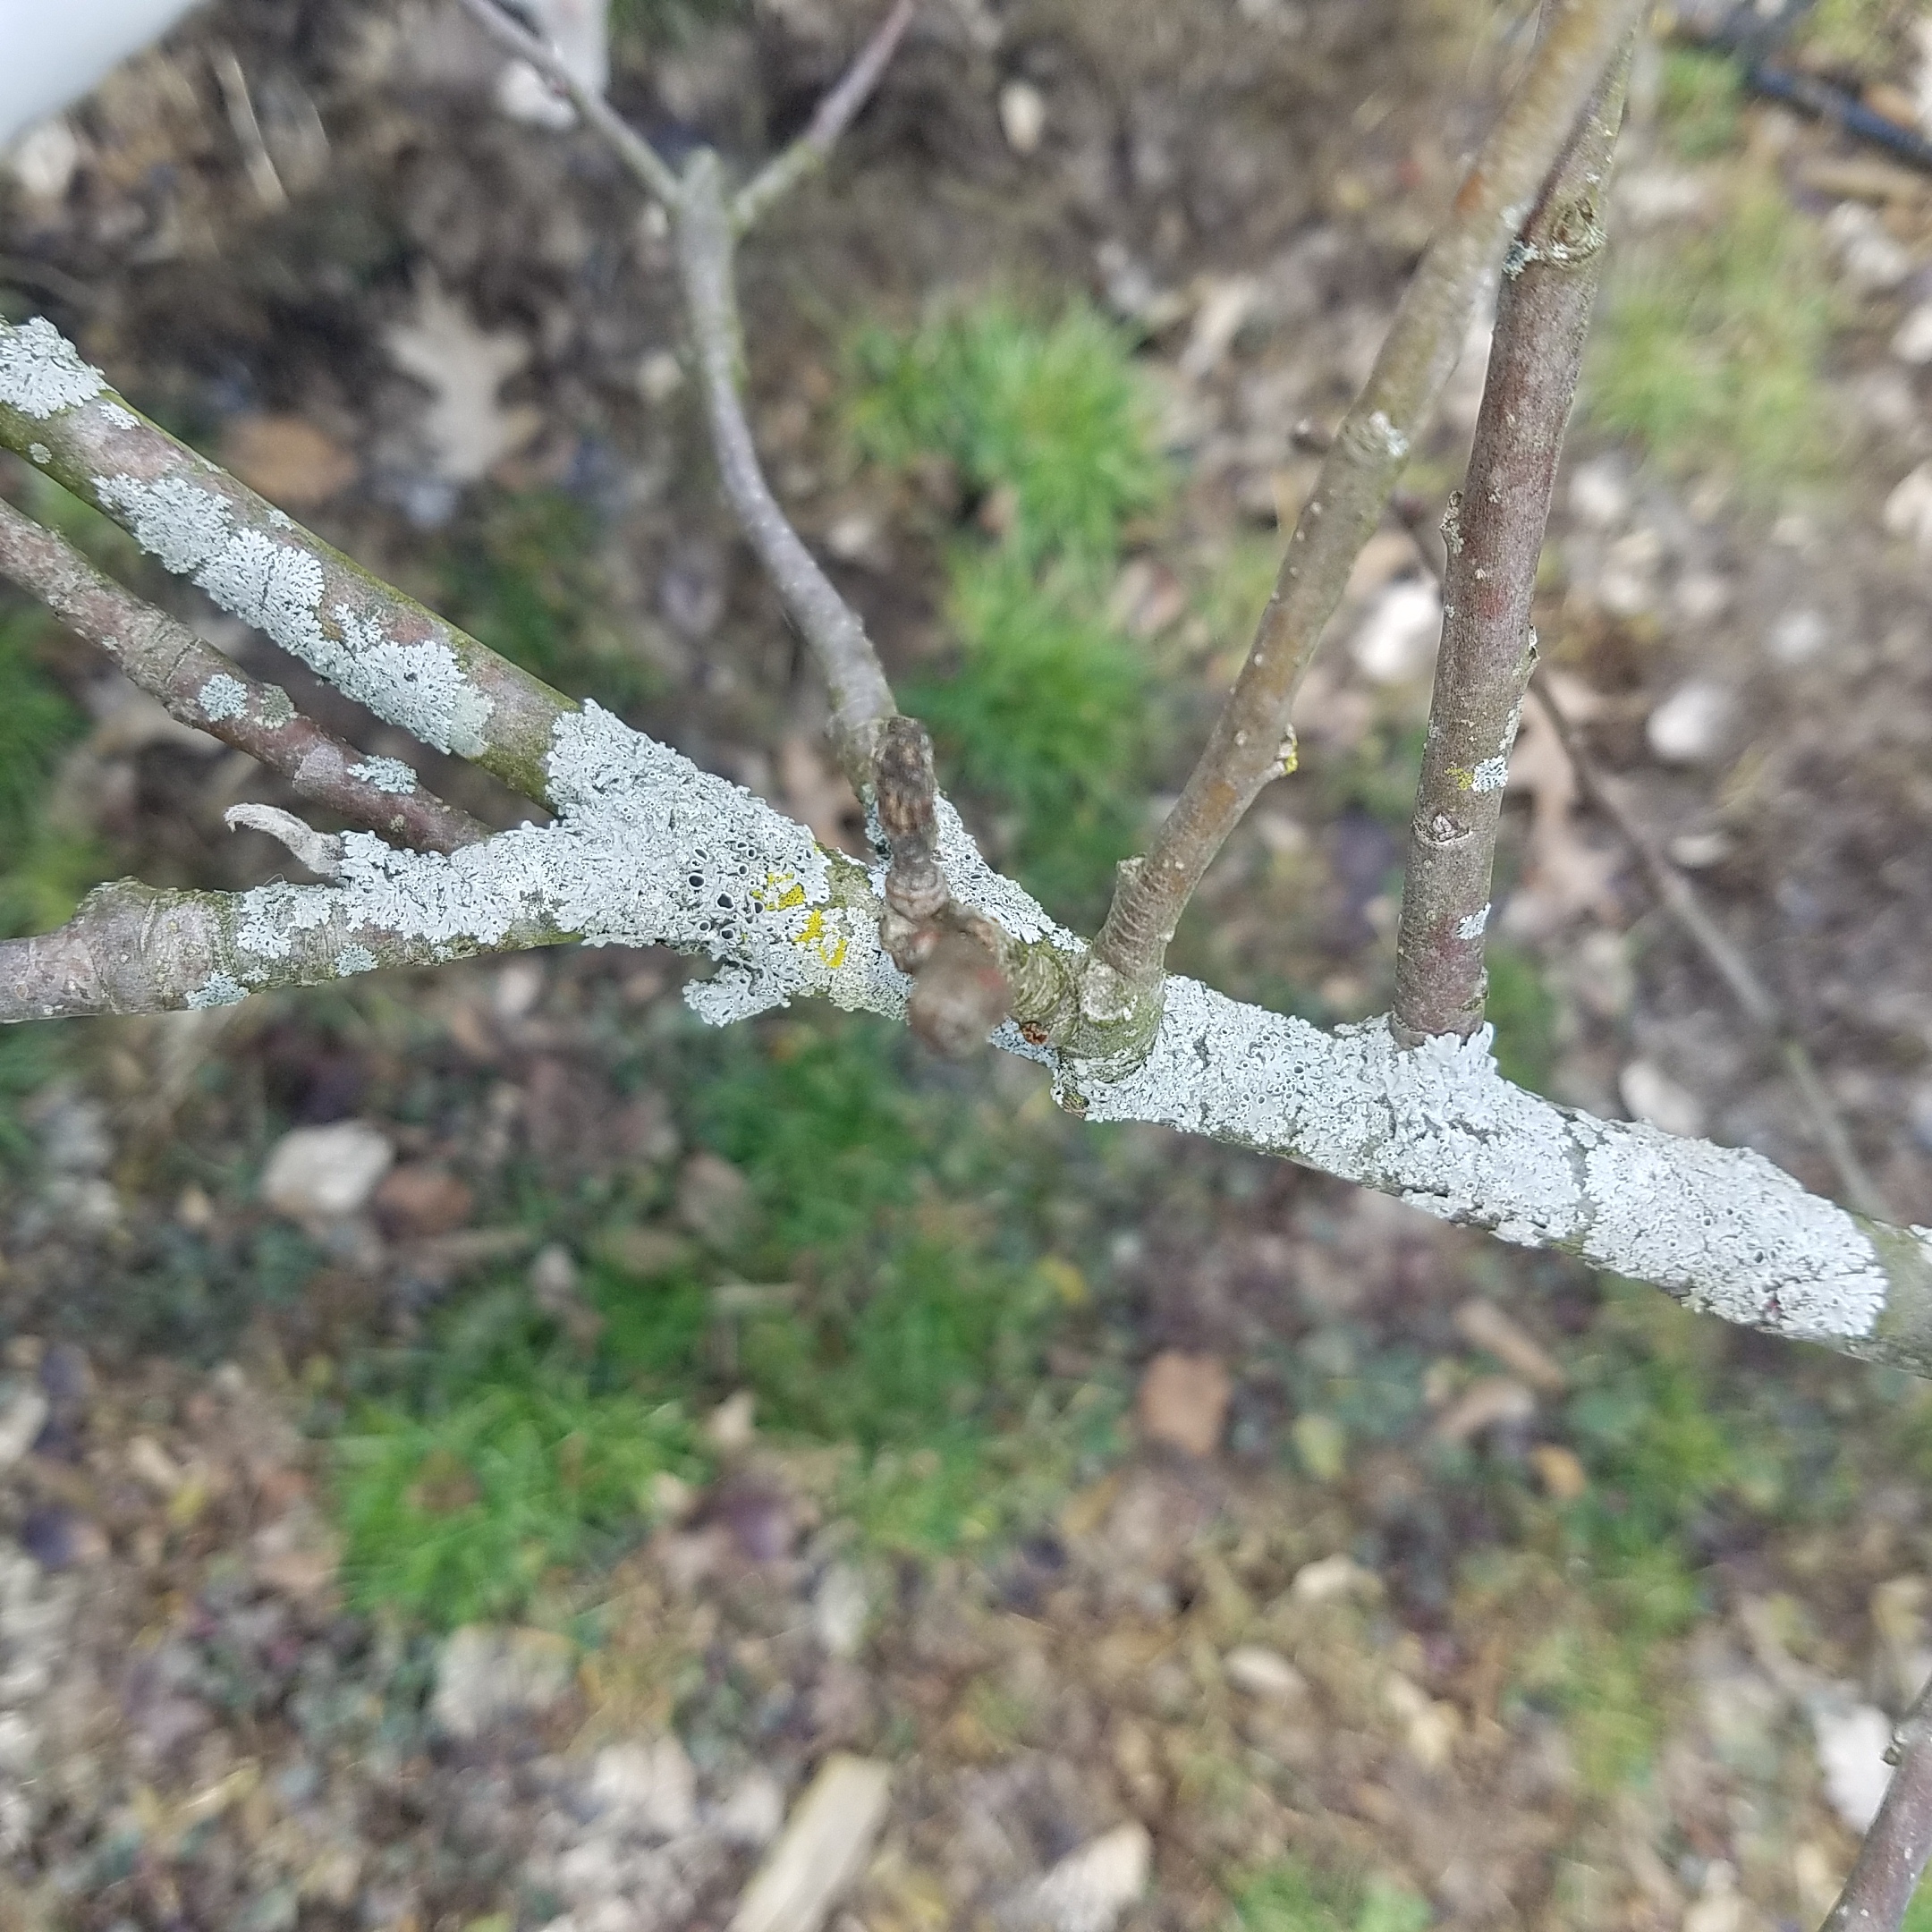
(207,689)
(836,111)
(1494,532)
(862,698)
(1246,747)
(637,154)
(1679,897)
(1893,1857)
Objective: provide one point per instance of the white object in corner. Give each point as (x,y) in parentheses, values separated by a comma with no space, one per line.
(56,53)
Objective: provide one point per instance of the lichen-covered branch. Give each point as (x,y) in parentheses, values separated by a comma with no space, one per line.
(1494,537)
(862,698)
(1246,747)
(648,850)
(205,688)
(369,640)
(637,154)
(835,114)
(1893,1857)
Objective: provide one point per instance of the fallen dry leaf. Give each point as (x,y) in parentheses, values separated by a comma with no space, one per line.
(1183,1401)
(288,459)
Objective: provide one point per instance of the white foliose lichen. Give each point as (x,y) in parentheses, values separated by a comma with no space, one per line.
(355,959)
(1440,1127)
(279,588)
(646,849)
(41,372)
(385,774)
(975,884)
(222,697)
(1491,775)
(1472,925)
(1745,1240)
(40,454)
(220,989)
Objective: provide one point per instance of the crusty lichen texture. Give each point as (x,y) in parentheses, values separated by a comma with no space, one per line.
(1437,1125)
(279,588)
(367,639)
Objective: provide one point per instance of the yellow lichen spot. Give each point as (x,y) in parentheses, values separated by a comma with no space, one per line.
(829,944)
(778,892)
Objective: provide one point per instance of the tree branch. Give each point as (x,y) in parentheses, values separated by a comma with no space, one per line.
(1495,535)
(207,689)
(637,154)
(837,113)
(1893,1857)
(862,698)
(369,640)
(648,850)
(1246,747)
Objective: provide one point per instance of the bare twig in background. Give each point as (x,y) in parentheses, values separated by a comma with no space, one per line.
(1245,749)
(835,114)
(1893,1857)
(862,698)
(1495,538)
(1679,899)
(705,223)
(637,154)
(207,689)
(239,105)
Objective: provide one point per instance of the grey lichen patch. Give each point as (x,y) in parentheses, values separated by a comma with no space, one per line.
(355,959)
(279,587)
(1491,775)
(646,849)
(1440,1127)
(1746,1241)
(219,989)
(975,884)
(385,774)
(222,697)
(41,372)
(40,454)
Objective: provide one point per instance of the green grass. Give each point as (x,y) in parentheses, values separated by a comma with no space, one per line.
(1700,101)
(1524,1015)
(1046,712)
(1289,1895)
(1053,415)
(1668,1441)
(901,1234)
(1711,348)
(1919,1913)
(44,869)
(462,1513)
